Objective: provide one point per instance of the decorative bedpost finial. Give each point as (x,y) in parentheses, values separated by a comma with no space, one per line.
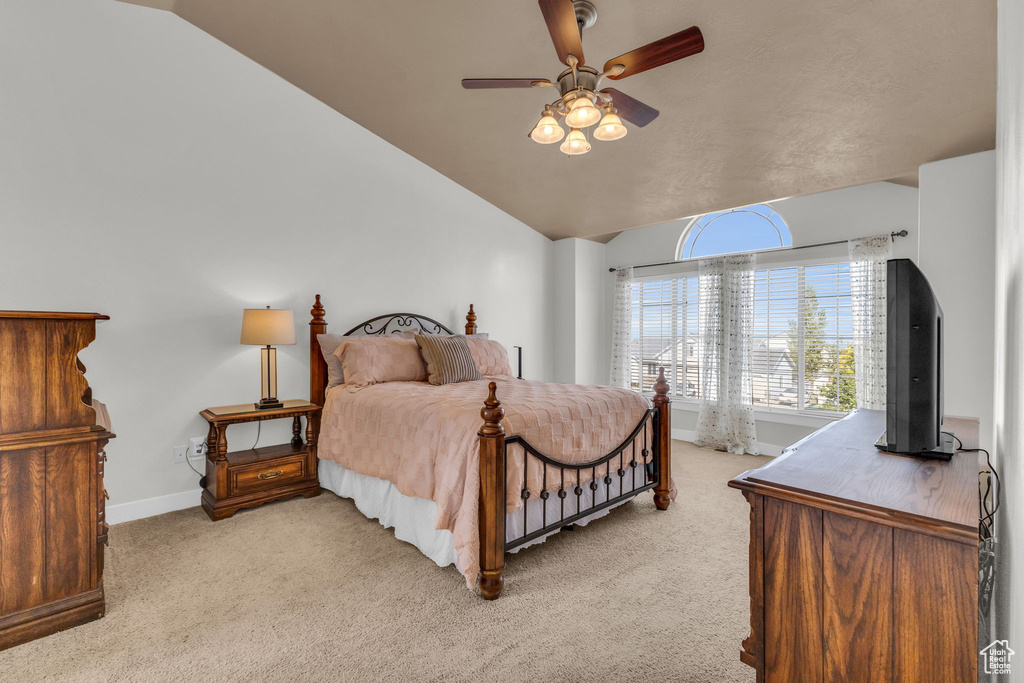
(317,312)
(471,321)
(661,388)
(492,413)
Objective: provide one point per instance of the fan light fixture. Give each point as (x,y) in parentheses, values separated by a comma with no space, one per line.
(547,130)
(611,127)
(583,100)
(582,113)
(575,143)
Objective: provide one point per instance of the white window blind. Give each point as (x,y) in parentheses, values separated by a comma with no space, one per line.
(802,355)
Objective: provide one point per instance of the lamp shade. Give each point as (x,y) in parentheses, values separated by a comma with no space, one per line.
(547,129)
(611,128)
(268,327)
(575,143)
(582,113)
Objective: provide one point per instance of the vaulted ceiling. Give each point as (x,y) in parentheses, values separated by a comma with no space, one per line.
(788,98)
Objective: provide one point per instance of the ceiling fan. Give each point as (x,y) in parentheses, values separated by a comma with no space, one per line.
(582,99)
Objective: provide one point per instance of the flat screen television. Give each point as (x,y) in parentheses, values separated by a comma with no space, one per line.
(913,410)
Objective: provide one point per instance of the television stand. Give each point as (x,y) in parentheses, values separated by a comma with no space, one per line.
(863,564)
(944,451)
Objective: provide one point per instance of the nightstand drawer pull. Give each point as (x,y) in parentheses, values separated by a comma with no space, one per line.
(272,474)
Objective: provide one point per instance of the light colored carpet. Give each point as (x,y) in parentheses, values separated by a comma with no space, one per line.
(312,590)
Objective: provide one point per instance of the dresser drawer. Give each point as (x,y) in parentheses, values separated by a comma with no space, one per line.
(267,475)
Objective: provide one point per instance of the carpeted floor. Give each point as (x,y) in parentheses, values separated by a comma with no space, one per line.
(312,590)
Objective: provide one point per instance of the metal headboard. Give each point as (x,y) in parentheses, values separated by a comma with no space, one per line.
(391,323)
(382,324)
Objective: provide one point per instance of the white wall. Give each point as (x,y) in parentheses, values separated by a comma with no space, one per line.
(1009,371)
(582,312)
(564,325)
(957,253)
(593,314)
(841,214)
(151,173)
(838,215)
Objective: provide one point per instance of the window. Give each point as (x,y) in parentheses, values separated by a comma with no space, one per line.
(802,349)
(758,226)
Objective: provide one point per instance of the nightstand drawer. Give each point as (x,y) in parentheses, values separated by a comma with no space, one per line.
(262,476)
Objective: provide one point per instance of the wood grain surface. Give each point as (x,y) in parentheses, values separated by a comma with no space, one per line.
(70,520)
(857,573)
(841,465)
(22,507)
(869,560)
(51,489)
(935,609)
(792,592)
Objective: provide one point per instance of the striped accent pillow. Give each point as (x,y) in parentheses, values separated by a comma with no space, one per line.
(448,359)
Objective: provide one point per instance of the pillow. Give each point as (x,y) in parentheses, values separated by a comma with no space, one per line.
(329,343)
(490,357)
(372,360)
(448,359)
(408,334)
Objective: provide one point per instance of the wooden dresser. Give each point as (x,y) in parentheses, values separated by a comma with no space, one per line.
(52,529)
(863,565)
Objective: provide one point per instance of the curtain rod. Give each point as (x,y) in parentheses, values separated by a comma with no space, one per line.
(893,235)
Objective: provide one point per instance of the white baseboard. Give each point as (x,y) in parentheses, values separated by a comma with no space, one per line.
(768,449)
(682,435)
(137,509)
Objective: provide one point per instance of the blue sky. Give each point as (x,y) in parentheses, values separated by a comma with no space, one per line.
(743,229)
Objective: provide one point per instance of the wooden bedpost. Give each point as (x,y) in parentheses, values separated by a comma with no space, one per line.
(663,439)
(471,321)
(492,497)
(317,364)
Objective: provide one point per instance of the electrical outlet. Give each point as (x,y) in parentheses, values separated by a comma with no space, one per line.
(179,453)
(197,448)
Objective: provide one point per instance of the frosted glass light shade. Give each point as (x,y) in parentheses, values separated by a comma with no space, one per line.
(610,128)
(547,130)
(575,143)
(582,113)
(267,327)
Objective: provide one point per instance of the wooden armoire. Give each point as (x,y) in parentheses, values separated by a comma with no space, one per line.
(52,527)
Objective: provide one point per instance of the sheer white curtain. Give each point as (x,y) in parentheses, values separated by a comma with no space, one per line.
(868,291)
(622,315)
(726,291)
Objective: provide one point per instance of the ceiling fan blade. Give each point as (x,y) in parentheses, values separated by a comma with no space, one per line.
(560,17)
(633,110)
(676,46)
(485,83)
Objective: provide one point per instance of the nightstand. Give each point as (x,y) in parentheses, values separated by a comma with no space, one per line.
(249,478)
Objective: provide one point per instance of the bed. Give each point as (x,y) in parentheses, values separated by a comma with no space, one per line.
(466,489)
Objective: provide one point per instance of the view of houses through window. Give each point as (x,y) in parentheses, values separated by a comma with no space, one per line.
(802,350)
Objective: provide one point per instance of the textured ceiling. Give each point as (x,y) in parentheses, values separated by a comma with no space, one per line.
(788,98)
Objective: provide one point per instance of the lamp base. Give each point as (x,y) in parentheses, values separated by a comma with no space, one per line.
(268,404)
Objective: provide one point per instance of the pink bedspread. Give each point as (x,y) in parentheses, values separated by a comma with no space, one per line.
(423,439)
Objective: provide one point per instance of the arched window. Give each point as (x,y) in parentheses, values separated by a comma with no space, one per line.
(757,226)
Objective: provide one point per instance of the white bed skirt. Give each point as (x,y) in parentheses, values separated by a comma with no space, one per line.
(413,518)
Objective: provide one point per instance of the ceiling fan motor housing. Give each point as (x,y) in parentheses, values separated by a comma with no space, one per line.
(586,78)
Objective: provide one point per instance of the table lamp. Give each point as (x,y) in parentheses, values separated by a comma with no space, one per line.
(268,327)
